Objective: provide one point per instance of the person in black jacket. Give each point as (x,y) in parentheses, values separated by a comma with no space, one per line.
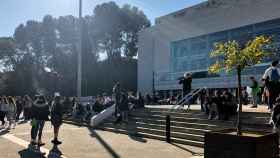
(56,118)
(19,105)
(39,114)
(117,97)
(124,106)
(186,81)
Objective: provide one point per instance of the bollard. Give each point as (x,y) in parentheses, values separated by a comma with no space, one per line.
(167,129)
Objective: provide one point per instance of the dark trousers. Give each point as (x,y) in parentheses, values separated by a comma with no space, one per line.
(37,129)
(273,93)
(19,110)
(27,113)
(2,117)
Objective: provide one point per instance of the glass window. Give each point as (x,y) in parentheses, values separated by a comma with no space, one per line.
(198,43)
(267,25)
(242,35)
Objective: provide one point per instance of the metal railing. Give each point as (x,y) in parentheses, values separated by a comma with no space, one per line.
(180,103)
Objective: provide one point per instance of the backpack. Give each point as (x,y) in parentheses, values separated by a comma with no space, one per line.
(274,75)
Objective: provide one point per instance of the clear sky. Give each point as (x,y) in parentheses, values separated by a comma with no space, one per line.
(15,12)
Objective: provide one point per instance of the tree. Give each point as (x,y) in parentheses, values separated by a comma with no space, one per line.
(233,56)
(135,20)
(52,44)
(117,28)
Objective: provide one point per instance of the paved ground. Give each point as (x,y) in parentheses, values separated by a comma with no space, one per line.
(246,108)
(80,142)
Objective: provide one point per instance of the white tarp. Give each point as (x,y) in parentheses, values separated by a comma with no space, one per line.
(99,118)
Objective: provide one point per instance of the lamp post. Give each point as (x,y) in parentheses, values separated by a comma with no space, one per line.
(79,74)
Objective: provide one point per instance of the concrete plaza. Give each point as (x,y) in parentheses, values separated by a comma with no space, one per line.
(81,142)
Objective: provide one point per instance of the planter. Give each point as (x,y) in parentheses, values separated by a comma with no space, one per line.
(226,144)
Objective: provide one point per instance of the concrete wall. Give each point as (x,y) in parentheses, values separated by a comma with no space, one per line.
(198,20)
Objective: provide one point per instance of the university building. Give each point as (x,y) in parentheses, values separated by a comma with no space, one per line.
(181,42)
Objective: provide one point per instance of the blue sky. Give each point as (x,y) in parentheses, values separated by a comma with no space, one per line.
(14,12)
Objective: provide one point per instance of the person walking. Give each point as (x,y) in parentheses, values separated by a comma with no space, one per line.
(11,114)
(2,113)
(27,104)
(255,91)
(5,109)
(19,105)
(56,117)
(272,74)
(117,97)
(186,82)
(39,114)
(124,107)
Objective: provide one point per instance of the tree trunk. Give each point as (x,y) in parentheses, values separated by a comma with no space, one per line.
(239,121)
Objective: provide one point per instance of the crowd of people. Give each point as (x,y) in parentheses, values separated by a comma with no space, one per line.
(216,104)
(35,110)
(124,102)
(223,103)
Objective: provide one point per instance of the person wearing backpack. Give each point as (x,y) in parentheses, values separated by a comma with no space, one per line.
(255,90)
(56,117)
(39,114)
(272,74)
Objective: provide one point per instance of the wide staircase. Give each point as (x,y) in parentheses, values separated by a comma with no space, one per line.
(186,127)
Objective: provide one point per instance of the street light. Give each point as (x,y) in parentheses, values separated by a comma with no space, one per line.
(79,74)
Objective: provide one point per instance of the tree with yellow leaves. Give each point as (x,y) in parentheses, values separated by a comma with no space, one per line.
(233,56)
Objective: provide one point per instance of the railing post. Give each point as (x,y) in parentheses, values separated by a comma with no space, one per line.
(167,129)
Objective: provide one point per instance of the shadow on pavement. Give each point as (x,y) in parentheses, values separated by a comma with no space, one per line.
(3,132)
(130,129)
(29,154)
(55,152)
(137,137)
(105,145)
(22,122)
(188,150)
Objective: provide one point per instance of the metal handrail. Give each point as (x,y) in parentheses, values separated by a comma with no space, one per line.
(186,98)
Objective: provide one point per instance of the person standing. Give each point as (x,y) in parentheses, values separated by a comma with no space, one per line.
(186,82)
(39,114)
(117,97)
(255,90)
(272,74)
(2,113)
(202,97)
(124,107)
(19,105)
(27,104)
(140,101)
(11,115)
(56,118)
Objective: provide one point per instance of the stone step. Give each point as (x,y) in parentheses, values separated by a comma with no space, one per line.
(183,124)
(190,112)
(198,114)
(157,137)
(183,119)
(135,125)
(161,132)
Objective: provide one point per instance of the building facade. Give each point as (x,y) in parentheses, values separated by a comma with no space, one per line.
(181,42)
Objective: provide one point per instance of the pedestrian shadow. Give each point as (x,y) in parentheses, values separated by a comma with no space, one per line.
(137,137)
(130,128)
(188,150)
(55,152)
(22,122)
(104,144)
(26,153)
(3,132)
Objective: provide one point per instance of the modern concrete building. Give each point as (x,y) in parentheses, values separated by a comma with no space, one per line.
(181,42)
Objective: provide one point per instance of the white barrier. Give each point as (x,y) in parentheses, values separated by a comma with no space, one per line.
(99,118)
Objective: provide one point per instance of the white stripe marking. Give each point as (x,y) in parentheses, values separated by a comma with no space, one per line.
(24,143)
